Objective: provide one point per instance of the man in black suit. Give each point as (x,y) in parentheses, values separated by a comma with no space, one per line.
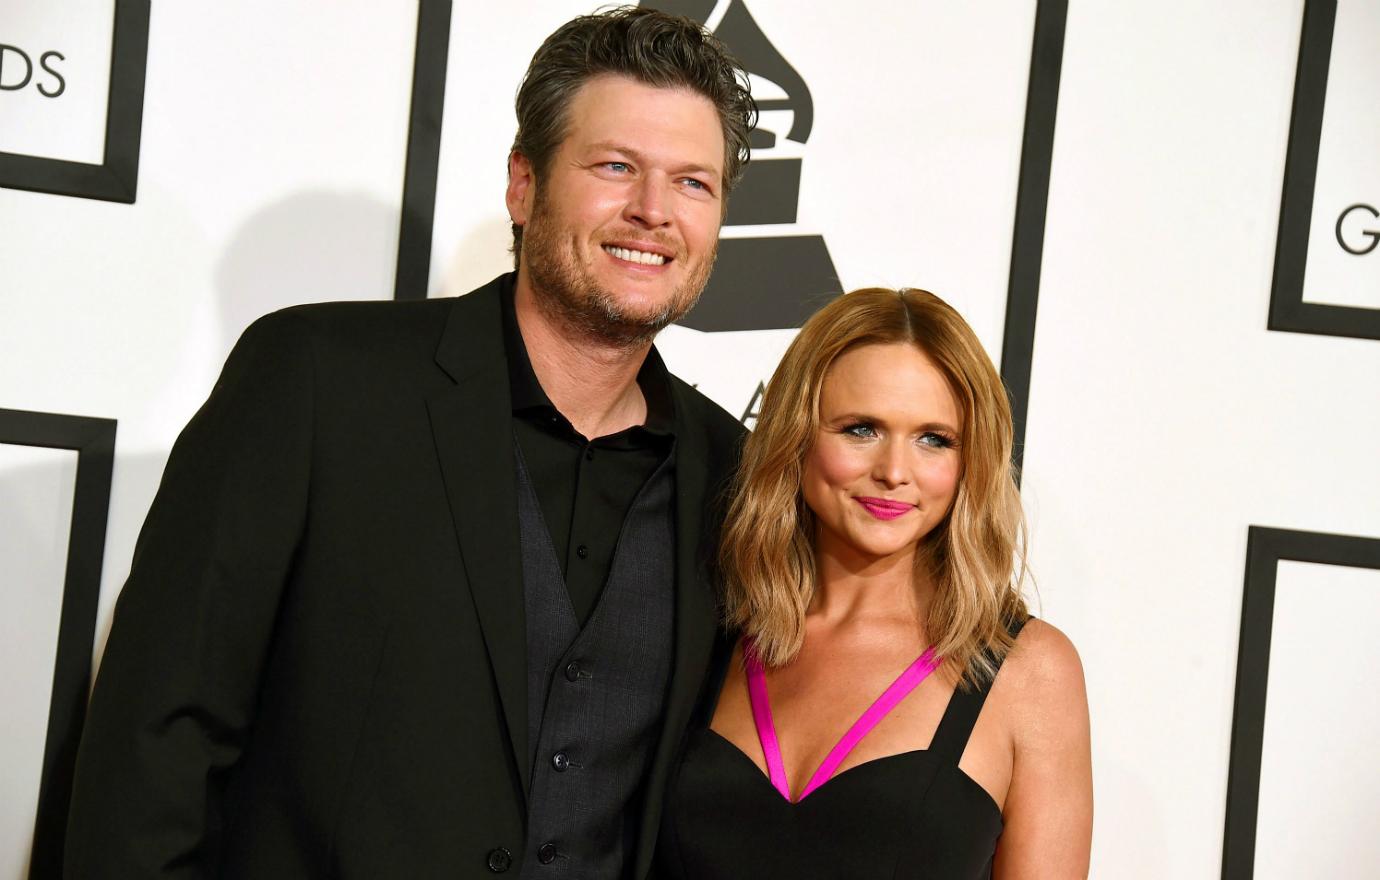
(424,591)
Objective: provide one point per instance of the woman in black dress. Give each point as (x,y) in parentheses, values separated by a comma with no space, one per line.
(887,707)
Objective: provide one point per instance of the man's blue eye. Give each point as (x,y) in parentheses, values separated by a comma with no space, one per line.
(696,184)
(616,166)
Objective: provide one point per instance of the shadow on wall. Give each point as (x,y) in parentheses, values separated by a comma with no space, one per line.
(134,482)
(313,246)
(309,247)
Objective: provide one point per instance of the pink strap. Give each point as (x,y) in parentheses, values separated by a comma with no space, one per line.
(906,682)
(761,716)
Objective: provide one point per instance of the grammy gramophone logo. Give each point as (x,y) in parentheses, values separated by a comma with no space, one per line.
(765,279)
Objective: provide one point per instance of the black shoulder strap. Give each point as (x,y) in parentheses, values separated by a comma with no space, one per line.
(951,738)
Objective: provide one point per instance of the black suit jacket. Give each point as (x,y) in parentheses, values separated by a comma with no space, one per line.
(318,664)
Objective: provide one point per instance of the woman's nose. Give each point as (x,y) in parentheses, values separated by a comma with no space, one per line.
(892,465)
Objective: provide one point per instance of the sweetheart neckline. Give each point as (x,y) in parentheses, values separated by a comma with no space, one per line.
(986,796)
(907,681)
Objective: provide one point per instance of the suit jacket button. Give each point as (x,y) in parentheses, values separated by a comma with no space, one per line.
(500,860)
(572,671)
(546,853)
(561,761)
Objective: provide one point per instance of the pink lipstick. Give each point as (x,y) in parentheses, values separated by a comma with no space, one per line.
(884,508)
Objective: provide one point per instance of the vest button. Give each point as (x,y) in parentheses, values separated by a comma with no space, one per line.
(500,860)
(582,551)
(546,853)
(561,761)
(572,671)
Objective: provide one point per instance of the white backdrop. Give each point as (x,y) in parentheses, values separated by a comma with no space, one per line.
(1164,419)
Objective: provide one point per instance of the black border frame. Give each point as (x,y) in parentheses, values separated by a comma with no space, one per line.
(423,149)
(1265,547)
(93,439)
(1032,195)
(1032,201)
(1288,310)
(117,179)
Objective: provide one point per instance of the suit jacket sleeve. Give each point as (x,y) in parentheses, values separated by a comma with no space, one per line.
(174,701)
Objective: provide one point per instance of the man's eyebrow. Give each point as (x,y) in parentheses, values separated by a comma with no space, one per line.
(615,147)
(639,158)
(696,168)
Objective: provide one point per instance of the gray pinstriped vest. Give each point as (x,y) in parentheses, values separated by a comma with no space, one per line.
(595,695)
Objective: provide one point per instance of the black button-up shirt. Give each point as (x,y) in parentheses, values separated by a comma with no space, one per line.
(585,487)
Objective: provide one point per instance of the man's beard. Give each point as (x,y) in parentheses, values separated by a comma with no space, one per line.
(569,294)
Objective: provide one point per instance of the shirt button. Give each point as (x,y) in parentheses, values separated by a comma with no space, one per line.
(589,454)
(500,860)
(561,761)
(572,671)
(582,551)
(546,853)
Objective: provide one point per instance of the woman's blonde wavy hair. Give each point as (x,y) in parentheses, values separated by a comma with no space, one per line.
(975,557)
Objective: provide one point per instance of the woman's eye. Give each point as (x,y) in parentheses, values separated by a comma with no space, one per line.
(936,441)
(860,430)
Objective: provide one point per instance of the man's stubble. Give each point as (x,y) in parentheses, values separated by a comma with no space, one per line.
(568,294)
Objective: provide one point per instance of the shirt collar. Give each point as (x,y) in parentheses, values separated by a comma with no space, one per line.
(527,394)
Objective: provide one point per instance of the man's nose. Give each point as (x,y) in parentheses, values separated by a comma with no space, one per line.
(647,204)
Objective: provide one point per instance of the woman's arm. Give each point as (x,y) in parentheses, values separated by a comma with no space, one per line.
(1048,811)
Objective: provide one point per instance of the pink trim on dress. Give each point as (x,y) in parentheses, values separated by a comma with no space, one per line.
(906,682)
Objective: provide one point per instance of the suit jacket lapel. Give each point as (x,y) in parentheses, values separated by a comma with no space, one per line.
(470,425)
(694,624)
(694,590)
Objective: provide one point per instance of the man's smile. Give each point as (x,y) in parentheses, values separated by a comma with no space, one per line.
(634,255)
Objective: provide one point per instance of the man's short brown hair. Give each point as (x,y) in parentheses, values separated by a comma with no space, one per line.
(652,47)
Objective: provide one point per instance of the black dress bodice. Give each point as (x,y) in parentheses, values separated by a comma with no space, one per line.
(910,815)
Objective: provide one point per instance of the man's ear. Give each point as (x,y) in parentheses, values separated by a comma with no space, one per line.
(522,188)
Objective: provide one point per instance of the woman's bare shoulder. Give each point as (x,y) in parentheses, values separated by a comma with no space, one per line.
(1049,806)
(1041,679)
(1042,652)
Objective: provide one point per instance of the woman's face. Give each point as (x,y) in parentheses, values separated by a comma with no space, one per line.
(885,463)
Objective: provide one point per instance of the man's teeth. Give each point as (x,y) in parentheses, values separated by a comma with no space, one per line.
(647,259)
